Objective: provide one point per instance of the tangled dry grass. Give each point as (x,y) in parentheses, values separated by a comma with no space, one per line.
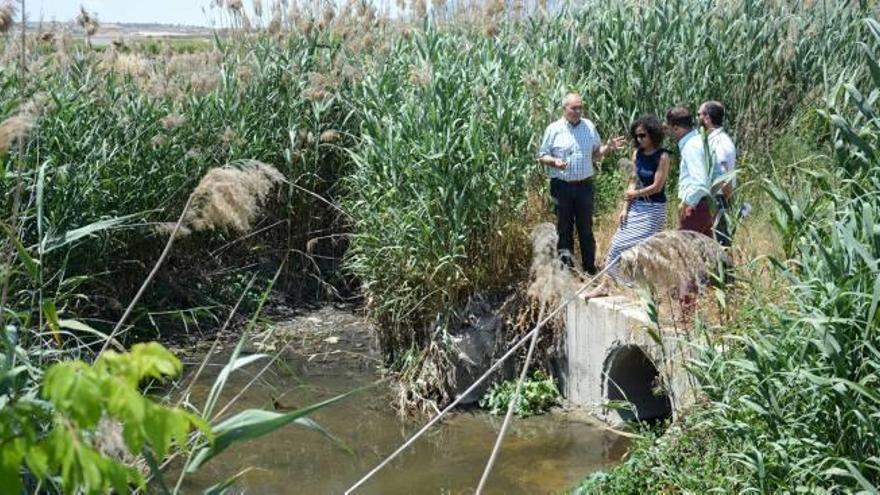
(550,280)
(672,258)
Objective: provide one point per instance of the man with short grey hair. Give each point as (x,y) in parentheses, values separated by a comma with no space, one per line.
(569,148)
(711,115)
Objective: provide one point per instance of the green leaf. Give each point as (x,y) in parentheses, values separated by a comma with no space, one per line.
(38,461)
(254,423)
(32,265)
(155,361)
(234,363)
(223,486)
(11,454)
(73,390)
(51,315)
(859,477)
(50,244)
(872,64)
(81,327)
(874,28)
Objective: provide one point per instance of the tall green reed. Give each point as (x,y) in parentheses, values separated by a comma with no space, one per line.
(452,118)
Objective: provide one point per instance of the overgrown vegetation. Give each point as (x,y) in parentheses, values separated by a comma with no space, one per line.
(539,393)
(408,145)
(791,395)
(84,404)
(444,169)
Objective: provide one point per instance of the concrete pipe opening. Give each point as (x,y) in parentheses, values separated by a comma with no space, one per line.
(630,376)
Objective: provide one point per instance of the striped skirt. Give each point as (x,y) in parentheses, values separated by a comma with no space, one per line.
(643,221)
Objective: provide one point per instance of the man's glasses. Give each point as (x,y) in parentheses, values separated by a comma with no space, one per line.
(576,109)
(641,136)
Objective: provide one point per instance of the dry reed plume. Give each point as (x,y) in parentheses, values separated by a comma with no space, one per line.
(228,198)
(18,127)
(14,129)
(551,281)
(130,64)
(329,136)
(172,121)
(87,21)
(7,13)
(672,258)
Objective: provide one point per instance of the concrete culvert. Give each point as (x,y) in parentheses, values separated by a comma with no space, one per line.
(630,376)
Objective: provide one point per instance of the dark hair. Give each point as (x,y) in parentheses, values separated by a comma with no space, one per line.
(715,111)
(679,117)
(652,126)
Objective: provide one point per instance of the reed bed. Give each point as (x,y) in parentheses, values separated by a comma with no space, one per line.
(790,384)
(422,133)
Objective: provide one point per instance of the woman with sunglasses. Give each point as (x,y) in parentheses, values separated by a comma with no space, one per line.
(644,210)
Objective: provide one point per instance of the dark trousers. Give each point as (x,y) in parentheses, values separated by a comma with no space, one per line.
(573,202)
(722,227)
(698,221)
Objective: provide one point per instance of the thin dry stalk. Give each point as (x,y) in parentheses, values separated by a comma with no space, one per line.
(149,278)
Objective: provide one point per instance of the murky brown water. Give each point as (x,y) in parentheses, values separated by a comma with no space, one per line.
(544,454)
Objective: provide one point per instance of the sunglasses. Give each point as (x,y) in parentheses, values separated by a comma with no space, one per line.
(641,136)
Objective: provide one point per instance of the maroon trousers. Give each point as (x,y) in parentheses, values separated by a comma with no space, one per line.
(700,220)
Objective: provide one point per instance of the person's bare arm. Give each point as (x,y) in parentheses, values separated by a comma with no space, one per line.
(621,218)
(659,180)
(610,146)
(552,162)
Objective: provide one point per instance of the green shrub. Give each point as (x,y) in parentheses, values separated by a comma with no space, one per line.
(77,397)
(538,394)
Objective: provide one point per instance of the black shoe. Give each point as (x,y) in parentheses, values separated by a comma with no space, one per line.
(565,257)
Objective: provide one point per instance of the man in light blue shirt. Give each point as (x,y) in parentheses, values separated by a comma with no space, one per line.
(695,173)
(568,149)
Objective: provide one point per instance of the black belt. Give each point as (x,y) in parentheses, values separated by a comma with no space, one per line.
(588,180)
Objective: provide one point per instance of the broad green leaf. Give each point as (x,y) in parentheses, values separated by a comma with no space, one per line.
(32,265)
(11,455)
(856,473)
(254,423)
(80,327)
(51,315)
(222,487)
(875,299)
(49,244)
(72,388)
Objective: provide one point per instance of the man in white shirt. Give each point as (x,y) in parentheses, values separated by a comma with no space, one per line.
(568,149)
(711,116)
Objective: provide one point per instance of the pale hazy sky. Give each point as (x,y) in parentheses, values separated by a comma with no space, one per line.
(163,11)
